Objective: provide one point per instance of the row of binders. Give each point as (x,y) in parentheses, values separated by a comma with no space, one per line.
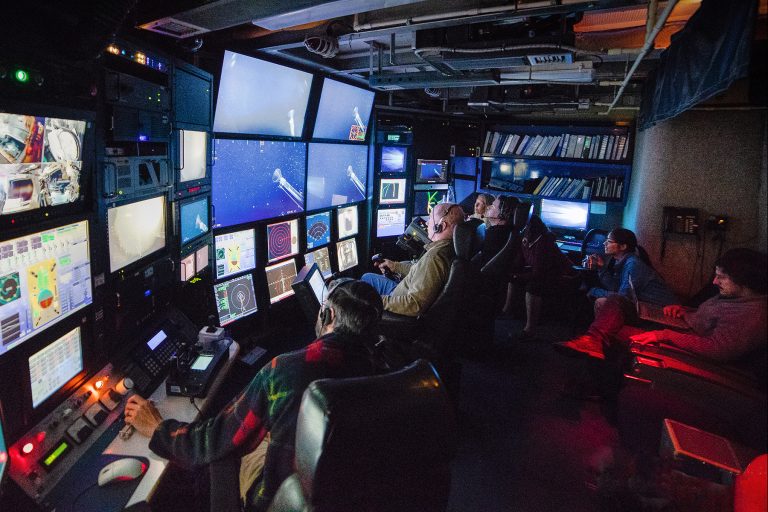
(604,187)
(566,145)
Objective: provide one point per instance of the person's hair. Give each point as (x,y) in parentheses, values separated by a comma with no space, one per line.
(745,267)
(535,228)
(507,206)
(452,214)
(357,307)
(627,237)
(488,198)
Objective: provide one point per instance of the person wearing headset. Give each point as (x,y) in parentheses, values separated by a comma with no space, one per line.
(422,279)
(269,405)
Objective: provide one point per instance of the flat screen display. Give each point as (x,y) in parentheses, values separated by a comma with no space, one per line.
(344,112)
(194,219)
(463,189)
(282,240)
(347,221)
(392,191)
(44,278)
(390,222)
(393,159)
(347,253)
(323,260)
(235,253)
(564,214)
(194,155)
(280,277)
(318,229)
(202,362)
(41,159)
(235,299)
(55,365)
(261,98)
(431,171)
(317,284)
(201,258)
(425,200)
(135,230)
(256,179)
(336,174)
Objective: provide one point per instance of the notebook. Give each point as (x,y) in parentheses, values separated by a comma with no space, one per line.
(654,312)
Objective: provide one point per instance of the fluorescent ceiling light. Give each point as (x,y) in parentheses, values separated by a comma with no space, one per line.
(325,11)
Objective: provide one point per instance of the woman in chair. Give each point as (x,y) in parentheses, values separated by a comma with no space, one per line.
(499,217)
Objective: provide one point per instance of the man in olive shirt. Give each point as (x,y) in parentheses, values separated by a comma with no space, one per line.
(423,279)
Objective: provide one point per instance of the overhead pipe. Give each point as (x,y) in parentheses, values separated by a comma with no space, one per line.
(649,40)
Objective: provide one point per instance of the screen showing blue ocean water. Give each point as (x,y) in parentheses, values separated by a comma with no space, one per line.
(393,159)
(256,180)
(564,214)
(344,112)
(336,174)
(261,98)
(318,229)
(194,219)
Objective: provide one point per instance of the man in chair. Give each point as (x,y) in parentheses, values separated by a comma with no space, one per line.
(424,279)
(270,403)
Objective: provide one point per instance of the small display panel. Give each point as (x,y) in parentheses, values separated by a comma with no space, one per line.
(261,98)
(347,221)
(282,239)
(194,154)
(393,159)
(323,260)
(431,171)
(156,340)
(235,253)
(390,222)
(194,219)
(55,365)
(280,277)
(235,299)
(202,362)
(201,258)
(347,253)
(41,159)
(392,191)
(344,111)
(318,229)
(135,230)
(187,268)
(55,454)
(317,284)
(425,200)
(564,214)
(336,174)
(44,277)
(257,179)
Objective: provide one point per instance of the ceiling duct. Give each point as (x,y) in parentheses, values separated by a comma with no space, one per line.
(174,28)
(550,58)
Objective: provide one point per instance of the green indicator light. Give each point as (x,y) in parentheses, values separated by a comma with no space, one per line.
(55,455)
(393,137)
(21,76)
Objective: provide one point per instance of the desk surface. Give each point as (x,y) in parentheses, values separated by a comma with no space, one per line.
(176,407)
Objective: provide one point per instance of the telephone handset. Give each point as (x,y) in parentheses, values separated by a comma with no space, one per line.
(684,221)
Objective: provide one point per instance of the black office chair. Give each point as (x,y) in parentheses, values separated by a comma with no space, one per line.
(374,444)
(593,243)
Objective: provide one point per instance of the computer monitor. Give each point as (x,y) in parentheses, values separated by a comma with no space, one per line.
(55,365)
(347,221)
(187,265)
(431,171)
(390,222)
(309,287)
(261,98)
(44,278)
(235,252)
(194,155)
(280,276)
(257,179)
(318,229)
(282,240)
(336,174)
(135,230)
(194,218)
(194,263)
(567,215)
(347,254)
(235,299)
(392,191)
(202,258)
(425,200)
(343,112)
(393,159)
(322,258)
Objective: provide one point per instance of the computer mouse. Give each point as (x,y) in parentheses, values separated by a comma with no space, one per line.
(121,470)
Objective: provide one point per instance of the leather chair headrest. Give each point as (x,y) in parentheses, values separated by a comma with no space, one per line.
(465,240)
(521,216)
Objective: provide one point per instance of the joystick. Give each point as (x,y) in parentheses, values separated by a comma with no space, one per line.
(377,259)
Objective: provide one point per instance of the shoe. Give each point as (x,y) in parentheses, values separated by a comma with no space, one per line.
(584,345)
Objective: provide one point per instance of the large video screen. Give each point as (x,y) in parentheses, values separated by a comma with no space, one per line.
(194,219)
(336,174)
(318,229)
(55,365)
(347,221)
(390,222)
(44,277)
(282,239)
(393,159)
(235,253)
(347,254)
(235,299)
(135,230)
(194,153)
(261,98)
(344,111)
(322,258)
(41,159)
(257,179)
(564,214)
(280,277)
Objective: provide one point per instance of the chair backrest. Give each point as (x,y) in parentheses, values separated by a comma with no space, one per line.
(521,216)
(374,444)
(593,242)
(500,264)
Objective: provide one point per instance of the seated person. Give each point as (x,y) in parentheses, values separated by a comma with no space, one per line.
(423,279)
(270,403)
(482,202)
(499,217)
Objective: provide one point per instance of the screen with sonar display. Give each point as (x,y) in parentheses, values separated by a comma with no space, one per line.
(282,239)
(235,299)
(318,229)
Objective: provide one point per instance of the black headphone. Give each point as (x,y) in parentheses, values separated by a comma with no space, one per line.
(439,226)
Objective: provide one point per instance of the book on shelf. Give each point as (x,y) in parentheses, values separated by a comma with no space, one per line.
(571,147)
(587,145)
(540,186)
(559,145)
(611,143)
(564,147)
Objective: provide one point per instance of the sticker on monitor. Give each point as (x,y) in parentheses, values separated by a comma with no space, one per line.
(282,240)
(347,254)
(280,277)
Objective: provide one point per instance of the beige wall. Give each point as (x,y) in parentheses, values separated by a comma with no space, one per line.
(711,160)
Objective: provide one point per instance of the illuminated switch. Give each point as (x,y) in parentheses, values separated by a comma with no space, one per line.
(124,386)
(79,430)
(110,399)
(96,414)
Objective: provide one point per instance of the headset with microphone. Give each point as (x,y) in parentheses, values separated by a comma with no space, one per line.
(325,311)
(439,226)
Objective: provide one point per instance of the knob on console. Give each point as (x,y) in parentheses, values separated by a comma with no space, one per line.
(124,386)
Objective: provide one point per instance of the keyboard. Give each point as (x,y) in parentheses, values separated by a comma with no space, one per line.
(655,313)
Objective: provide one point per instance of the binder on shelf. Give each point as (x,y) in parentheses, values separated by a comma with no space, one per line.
(523,144)
(487,144)
(626,149)
(541,185)
(603,147)
(587,145)
(571,147)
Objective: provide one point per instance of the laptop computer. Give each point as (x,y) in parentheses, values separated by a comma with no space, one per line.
(653,312)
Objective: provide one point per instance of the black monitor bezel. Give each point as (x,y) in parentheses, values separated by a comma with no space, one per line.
(178,205)
(417,172)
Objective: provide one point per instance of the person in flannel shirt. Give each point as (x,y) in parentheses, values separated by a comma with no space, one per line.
(270,403)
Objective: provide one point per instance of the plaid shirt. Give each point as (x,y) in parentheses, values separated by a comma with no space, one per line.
(270,403)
